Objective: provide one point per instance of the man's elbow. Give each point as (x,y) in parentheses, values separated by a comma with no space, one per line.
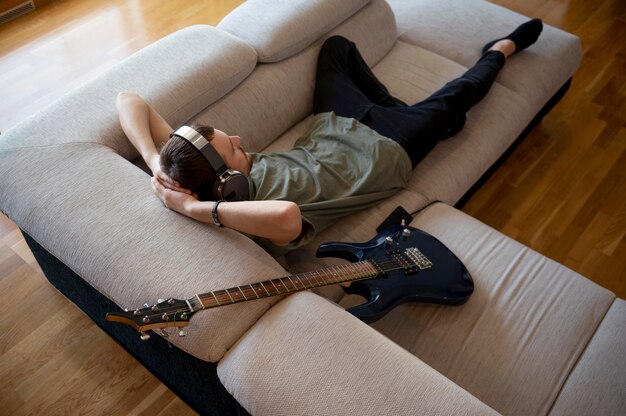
(124,98)
(289,224)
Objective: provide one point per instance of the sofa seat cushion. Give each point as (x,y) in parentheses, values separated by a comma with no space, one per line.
(596,386)
(516,340)
(413,73)
(458,29)
(306,356)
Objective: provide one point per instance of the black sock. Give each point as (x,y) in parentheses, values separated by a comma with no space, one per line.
(524,36)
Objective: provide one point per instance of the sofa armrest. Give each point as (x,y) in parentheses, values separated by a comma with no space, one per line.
(307,356)
(65,179)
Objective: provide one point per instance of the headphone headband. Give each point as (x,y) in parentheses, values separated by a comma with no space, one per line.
(202,144)
(228,184)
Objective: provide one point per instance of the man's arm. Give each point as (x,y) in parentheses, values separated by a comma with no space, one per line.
(278,221)
(144,127)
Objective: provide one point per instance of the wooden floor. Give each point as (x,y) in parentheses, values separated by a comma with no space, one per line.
(562,192)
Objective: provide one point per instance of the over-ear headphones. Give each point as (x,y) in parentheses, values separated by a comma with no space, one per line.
(228,184)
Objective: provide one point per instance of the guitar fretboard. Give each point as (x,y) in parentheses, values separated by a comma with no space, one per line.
(288,284)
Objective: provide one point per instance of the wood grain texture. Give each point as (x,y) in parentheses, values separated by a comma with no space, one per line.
(562,191)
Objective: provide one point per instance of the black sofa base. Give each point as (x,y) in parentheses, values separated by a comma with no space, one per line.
(193,380)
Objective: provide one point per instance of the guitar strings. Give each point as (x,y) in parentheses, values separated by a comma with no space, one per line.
(383,263)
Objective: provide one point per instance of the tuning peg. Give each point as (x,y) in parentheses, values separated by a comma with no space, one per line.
(144,336)
(145,305)
(160,300)
(181,332)
(406,233)
(163,333)
(389,240)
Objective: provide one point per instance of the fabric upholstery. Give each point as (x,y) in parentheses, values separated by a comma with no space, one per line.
(283,92)
(516,340)
(308,357)
(96,212)
(454,165)
(597,385)
(64,179)
(458,29)
(290,27)
(176,75)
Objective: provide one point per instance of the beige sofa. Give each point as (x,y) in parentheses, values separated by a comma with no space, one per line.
(534,338)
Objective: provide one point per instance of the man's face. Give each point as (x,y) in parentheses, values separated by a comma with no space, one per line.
(229,147)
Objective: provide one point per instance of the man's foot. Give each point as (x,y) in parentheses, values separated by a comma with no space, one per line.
(524,36)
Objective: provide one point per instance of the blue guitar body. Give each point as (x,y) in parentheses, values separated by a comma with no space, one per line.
(414,267)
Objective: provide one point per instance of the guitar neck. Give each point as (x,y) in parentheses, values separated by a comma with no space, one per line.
(288,284)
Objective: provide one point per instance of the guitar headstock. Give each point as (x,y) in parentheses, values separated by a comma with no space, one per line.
(163,314)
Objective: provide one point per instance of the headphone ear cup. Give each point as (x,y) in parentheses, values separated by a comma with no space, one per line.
(232,186)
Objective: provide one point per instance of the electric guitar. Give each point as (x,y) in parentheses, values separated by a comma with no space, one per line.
(400,264)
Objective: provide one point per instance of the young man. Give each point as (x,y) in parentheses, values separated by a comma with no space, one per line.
(361,148)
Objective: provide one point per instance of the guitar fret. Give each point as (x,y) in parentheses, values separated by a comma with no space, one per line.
(332,277)
(292,283)
(244,295)
(299,281)
(314,279)
(218,302)
(343,269)
(231,298)
(327,277)
(223,296)
(254,291)
(281,283)
(200,300)
(264,288)
(277,291)
(315,282)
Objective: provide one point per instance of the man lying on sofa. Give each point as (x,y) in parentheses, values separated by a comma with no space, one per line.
(360,149)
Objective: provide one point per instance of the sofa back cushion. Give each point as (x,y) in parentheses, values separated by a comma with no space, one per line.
(276,96)
(290,27)
(179,75)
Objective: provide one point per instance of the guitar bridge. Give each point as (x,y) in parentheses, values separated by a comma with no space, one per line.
(418,258)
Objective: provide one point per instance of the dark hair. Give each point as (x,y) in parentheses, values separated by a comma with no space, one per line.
(181,161)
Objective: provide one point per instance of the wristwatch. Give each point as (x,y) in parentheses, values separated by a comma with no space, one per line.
(216,220)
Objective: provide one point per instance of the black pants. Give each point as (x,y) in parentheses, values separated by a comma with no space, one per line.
(347,86)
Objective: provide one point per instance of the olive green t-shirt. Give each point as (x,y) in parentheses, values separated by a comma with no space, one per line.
(337,167)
